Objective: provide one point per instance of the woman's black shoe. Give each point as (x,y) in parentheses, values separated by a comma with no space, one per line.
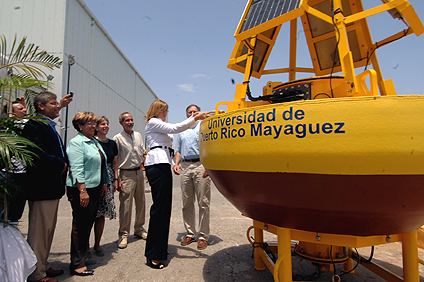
(84,273)
(152,265)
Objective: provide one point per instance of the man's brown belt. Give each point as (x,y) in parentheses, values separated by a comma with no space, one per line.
(135,169)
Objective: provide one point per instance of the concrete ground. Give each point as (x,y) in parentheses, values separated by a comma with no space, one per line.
(227,258)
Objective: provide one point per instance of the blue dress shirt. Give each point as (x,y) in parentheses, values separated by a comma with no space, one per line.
(187,143)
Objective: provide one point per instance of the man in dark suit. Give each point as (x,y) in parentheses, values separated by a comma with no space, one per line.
(45,183)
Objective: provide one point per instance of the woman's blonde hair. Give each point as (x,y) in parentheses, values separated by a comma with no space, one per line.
(82,118)
(155,109)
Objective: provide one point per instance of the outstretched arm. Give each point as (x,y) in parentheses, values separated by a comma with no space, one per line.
(64,102)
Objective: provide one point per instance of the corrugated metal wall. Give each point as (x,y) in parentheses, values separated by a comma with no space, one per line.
(102,78)
(42,22)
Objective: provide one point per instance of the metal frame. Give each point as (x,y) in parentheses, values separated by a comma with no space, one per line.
(243,56)
(282,269)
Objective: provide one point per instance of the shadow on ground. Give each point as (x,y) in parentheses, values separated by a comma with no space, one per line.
(110,249)
(237,264)
(234,264)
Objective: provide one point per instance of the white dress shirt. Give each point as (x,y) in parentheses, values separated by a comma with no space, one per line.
(159,133)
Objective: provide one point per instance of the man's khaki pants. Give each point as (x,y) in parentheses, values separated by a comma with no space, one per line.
(133,186)
(193,185)
(42,218)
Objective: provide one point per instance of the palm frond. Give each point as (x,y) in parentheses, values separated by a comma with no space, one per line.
(16,146)
(29,95)
(7,186)
(15,124)
(23,82)
(27,59)
(25,66)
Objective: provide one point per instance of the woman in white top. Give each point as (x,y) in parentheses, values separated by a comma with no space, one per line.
(158,170)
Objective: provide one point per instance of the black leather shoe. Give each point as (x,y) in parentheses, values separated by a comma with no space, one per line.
(86,272)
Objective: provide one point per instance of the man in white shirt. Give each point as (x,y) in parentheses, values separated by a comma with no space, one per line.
(130,159)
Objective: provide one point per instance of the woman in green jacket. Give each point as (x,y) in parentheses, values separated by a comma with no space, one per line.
(86,183)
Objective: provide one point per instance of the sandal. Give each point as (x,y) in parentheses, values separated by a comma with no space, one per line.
(150,263)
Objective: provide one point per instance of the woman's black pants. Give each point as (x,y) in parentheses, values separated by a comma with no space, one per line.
(160,180)
(82,222)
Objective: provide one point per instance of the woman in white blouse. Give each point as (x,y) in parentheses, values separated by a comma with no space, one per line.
(158,170)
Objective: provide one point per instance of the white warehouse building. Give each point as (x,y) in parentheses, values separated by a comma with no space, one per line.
(102,79)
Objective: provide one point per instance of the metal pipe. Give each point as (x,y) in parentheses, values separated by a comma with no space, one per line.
(71,62)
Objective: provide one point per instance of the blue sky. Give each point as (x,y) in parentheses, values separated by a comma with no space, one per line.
(181,48)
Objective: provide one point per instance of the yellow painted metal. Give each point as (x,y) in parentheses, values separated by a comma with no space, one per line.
(332,87)
(266,41)
(293,46)
(344,240)
(363,89)
(355,37)
(375,135)
(282,270)
(410,256)
(350,25)
(310,10)
(239,100)
(270,86)
(377,269)
(259,238)
(386,86)
(390,126)
(346,58)
(286,70)
(251,44)
(348,266)
(320,253)
(411,16)
(283,267)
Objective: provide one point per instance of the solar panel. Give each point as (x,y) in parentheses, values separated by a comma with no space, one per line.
(262,11)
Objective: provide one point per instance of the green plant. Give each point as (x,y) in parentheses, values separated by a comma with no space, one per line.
(24,67)
(22,73)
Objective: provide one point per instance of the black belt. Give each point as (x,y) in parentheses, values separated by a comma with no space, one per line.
(134,169)
(192,160)
(164,147)
(171,151)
